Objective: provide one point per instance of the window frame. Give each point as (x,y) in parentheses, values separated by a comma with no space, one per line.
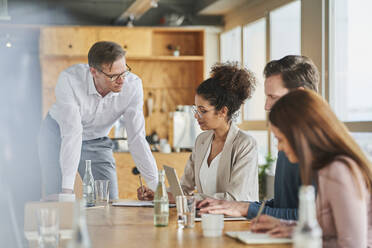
(353,126)
(316,43)
(262,12)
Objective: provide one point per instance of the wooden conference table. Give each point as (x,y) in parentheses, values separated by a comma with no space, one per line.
(133,227)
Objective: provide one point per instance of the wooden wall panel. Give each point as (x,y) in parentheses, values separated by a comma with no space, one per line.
(137,42)
(170,83)
(128,183)
(190,43)
(69,41)
(157,74)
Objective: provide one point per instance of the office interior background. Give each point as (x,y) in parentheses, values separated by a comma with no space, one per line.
(335,34)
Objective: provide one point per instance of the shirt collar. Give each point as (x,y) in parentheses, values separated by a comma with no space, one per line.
(93,91)
(92,88)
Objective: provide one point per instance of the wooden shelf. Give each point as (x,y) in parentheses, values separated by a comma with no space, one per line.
(148,58)
(172,58)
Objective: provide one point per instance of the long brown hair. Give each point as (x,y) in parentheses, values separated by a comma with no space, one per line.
(315,134)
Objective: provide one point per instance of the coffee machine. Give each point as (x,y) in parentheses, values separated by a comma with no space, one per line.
(185,128)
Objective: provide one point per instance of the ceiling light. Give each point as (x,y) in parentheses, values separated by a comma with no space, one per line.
(154,3)
(137,9)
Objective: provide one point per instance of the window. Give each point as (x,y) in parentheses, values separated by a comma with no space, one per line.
(231,45)
(254,57)
(364,140)
(249,45)
(285,30)
(262,143)
(350,59)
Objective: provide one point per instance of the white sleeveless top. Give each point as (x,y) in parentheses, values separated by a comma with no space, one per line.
(208,175)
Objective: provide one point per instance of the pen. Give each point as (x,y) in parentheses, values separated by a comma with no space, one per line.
(260,212)
(140,179)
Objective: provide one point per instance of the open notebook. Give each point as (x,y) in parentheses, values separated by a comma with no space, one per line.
(225,218)
(257,238)
(136,203)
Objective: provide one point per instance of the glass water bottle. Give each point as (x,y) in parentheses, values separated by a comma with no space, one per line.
(161,203)
(308,232)
(88,185)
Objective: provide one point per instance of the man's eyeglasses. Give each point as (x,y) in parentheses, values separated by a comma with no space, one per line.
(200,113)
(115,77)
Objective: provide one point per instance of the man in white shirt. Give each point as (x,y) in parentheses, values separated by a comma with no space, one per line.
(89,99)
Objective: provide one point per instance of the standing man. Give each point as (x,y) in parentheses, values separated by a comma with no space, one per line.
(281,76)
(89,99)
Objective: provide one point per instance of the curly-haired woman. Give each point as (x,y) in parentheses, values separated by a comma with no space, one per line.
(223,164)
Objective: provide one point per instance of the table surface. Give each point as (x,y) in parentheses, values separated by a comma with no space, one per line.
(133,227)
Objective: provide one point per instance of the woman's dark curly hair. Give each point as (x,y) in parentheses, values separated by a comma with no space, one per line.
(229,85)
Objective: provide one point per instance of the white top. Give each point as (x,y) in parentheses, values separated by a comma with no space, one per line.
(208,175)
(83,114)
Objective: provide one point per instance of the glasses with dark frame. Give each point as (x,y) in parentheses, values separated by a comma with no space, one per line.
(115,77)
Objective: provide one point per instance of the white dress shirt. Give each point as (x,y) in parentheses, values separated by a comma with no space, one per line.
(83,114)
(208,175)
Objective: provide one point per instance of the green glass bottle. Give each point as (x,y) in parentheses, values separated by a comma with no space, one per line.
(161,203)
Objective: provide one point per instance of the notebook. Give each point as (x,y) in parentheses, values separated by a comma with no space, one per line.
(136,203)
(248,237)
(225,218)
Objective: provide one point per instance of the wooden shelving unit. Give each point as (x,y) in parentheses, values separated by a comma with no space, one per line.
(170,80)
(165,58)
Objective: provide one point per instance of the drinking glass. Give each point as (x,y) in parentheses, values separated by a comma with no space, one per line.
(48,227)
(102,192)
(185,211)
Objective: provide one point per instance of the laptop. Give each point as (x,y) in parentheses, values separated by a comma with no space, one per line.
(176,190)
(173,181)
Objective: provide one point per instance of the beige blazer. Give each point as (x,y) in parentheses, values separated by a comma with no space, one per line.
(237,173)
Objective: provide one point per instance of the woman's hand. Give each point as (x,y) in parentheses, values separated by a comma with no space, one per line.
(282,231)
(230,208)
(145,194)
(264,223)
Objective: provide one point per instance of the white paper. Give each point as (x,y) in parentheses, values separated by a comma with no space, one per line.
(136,203)
(226,218)
(257,238)
(133,203)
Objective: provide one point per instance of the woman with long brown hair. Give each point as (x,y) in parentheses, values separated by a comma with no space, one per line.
(310,134)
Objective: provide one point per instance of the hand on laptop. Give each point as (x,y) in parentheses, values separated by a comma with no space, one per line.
(145,194)
(230,208)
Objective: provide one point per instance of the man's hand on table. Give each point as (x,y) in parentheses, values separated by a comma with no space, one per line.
(145,194)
